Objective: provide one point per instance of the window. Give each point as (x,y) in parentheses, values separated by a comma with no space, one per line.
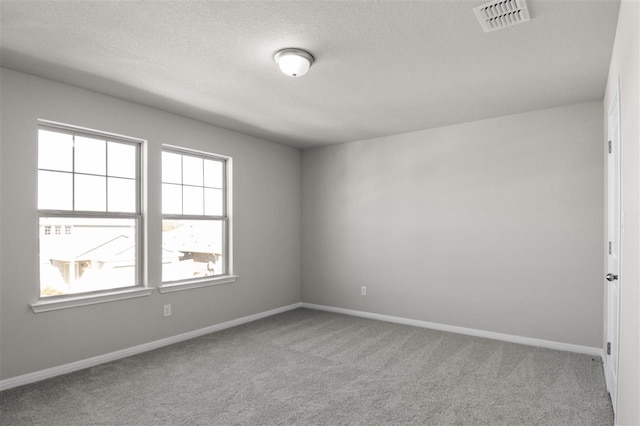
(195,222)
(88,182)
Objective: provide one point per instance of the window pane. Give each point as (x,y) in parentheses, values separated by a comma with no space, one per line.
(89,254)
(122,195)
(90,156)
(121,160)
(192,173)
(54,191)
(213,174)
(90,193)
(171,199)
(213,202)
(193,200)
(55,151)
(192,249)
(171,167)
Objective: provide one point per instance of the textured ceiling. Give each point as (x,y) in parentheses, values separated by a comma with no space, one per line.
(381,67)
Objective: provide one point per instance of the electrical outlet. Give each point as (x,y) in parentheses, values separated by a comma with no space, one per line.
(363,290)
(167,310)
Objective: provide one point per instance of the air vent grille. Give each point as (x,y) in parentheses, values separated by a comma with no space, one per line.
(500,14)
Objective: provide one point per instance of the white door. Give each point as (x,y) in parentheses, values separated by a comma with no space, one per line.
(613,226)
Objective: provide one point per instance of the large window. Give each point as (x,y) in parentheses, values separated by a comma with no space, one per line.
(89,208)
(195,223)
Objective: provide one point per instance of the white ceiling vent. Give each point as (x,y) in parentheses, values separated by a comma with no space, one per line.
(500,14)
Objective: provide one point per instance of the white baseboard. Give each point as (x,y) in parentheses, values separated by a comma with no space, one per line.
(463,330)
(112,356)
(123,353)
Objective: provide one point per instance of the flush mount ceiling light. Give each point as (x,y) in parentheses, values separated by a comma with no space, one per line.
(293,62)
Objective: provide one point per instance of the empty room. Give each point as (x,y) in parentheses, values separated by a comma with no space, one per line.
(320,212)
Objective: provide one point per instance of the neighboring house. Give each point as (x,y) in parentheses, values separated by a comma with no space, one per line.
(197,245)
(118,252)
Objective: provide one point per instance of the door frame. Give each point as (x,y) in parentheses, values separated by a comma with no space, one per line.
(613,306)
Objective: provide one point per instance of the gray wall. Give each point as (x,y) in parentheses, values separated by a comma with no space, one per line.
(267,246)
(493,225)
(625,63)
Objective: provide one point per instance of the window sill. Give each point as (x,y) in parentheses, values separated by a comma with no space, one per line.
(188,285)
(88,299)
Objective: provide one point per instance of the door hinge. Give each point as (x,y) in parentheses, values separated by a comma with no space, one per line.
(608,348)
(609,247)
(609,147)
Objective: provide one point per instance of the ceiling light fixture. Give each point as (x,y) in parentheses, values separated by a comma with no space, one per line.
(293,62)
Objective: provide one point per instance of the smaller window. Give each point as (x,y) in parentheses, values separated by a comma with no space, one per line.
(195,222)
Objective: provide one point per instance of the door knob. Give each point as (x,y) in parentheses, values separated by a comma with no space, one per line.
(611,277)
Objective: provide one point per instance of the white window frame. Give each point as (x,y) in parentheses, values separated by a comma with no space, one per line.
(50,303)
(228,276)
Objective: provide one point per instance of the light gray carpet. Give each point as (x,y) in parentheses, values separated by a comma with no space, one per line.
(310,367)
